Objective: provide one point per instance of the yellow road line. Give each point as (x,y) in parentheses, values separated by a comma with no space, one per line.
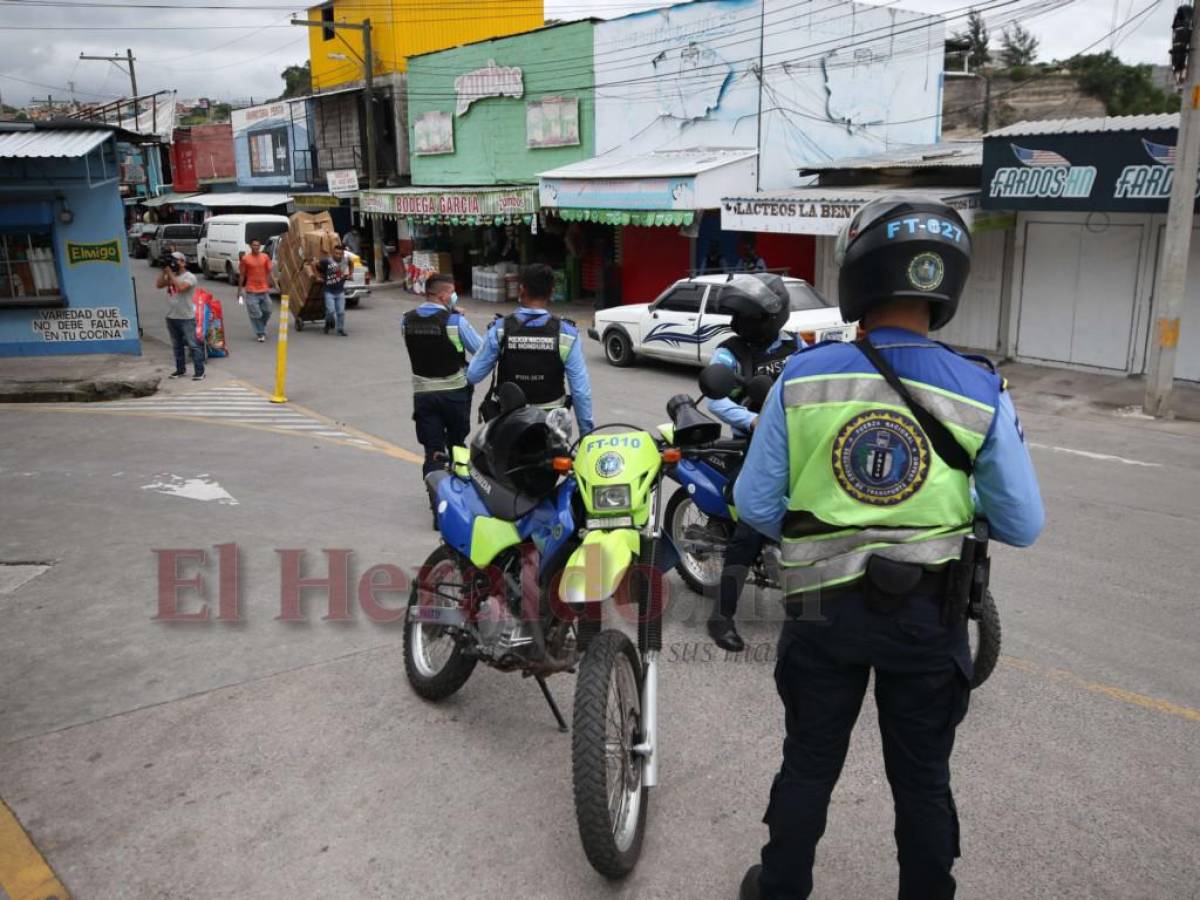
(24,872)
(385,446)
(1115,693)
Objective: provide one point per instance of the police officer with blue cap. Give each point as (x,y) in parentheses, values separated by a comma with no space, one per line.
(438,339)
(861,467)
(537,351)
(758,306)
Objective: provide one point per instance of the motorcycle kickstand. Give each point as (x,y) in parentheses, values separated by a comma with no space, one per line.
(562,723)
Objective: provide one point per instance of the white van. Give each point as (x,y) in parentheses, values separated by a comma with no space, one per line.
(224,238)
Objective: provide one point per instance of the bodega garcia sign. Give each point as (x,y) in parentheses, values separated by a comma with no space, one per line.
(67,326)
(1116,171)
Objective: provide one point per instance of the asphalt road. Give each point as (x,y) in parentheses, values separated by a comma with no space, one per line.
(266,758)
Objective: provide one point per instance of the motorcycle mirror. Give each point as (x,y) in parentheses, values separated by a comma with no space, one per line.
(717,382)
(510,397)
(757,390)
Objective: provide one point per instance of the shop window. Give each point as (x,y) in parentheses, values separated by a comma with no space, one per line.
(685,299)
(28,271)
(269,152)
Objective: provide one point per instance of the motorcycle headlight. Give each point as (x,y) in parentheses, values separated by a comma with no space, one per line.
(613,496)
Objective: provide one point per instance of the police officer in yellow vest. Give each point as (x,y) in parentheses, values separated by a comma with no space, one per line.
(874,512)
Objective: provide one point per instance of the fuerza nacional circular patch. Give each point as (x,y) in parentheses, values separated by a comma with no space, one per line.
(881,457)
(926,271)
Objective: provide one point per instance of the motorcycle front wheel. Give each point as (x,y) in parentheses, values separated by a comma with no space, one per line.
(610,799)
(433,658)
(700,572)
(984,635)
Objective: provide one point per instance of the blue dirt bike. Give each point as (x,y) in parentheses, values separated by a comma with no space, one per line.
(539,538)
(700,518)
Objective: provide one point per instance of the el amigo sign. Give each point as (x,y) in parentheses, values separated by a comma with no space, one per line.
(490,81)
(107,252)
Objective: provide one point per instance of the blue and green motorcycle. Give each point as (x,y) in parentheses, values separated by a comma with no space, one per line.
(548,549)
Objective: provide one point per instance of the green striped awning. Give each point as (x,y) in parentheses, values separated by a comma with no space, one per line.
(627,216)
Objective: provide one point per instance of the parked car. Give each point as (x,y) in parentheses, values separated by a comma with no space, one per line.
(139,236)
(685,324)
(223,239)
(185,239)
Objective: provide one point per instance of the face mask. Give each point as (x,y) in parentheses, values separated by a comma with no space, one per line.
(453,299)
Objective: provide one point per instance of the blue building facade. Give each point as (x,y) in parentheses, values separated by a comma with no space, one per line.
(65,282)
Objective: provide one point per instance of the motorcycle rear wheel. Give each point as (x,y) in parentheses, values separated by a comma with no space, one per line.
(610,799)
(433,659)
(701,575)
(984,634)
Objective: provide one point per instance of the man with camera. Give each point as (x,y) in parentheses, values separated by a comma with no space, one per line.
(180,285)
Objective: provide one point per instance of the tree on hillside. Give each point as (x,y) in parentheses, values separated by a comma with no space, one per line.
(1018,46)
(297,81)
(1125,90)
(976,37)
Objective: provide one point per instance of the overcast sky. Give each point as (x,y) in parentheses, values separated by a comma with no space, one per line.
(238,54)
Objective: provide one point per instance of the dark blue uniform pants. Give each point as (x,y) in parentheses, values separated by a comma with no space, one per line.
(922,687)
(740,553)
(443,421)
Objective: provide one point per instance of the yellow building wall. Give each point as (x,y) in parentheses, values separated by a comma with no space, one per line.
(404,28)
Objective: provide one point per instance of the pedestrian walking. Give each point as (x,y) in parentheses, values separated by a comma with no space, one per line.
(180,285)
(866,481)
(333,272)
(438,340)
(536,350)
(256,273)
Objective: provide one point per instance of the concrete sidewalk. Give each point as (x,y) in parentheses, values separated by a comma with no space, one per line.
(84,377)
(1064,392)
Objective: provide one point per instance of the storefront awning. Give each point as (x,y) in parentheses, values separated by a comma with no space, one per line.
(452,205)
(628,216)
(659,182)
(169,198)
(239,198)
(824,210)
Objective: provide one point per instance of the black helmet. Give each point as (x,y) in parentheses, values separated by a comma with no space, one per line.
(514,449)
(900,247)
(758,304)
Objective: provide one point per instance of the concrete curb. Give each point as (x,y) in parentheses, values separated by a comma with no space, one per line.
(85,378)
(64,391)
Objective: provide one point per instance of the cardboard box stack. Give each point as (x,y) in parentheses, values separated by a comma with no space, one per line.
(310,236)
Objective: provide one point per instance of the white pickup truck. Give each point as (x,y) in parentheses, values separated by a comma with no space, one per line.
(685,324)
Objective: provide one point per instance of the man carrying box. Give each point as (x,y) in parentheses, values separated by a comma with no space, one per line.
(333,272)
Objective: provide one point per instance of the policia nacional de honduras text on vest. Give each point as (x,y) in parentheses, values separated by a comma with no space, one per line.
(439,361)
(534,357)
(865,479)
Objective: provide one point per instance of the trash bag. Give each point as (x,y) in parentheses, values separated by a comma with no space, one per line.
(210,324)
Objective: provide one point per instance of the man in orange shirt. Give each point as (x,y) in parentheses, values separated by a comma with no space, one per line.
(256,272)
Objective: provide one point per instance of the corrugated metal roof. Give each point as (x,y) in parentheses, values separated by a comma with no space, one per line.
(170,197)
(1099,125)
(948,154)
(659,164)
(46,143)
(858,194)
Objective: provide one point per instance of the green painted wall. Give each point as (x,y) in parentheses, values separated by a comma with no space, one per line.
(489,139)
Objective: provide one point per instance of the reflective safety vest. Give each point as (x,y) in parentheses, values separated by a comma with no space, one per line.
(439,361)
(534,358)
(864,477)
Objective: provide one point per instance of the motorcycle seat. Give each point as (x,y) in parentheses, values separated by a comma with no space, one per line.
(502,502)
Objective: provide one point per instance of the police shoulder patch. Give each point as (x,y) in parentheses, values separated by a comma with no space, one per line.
(881,457)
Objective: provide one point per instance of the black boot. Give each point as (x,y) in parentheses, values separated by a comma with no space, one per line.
(724,633)
(749,889)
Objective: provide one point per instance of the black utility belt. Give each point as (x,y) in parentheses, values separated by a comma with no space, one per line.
(887,587)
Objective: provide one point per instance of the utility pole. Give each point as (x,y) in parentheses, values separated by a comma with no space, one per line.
(1177,238)
(116,61)
(368,63)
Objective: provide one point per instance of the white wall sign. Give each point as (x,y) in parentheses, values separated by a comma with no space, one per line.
(826,215)
(433,133)
(342,181)
(65,326)
(490,81)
